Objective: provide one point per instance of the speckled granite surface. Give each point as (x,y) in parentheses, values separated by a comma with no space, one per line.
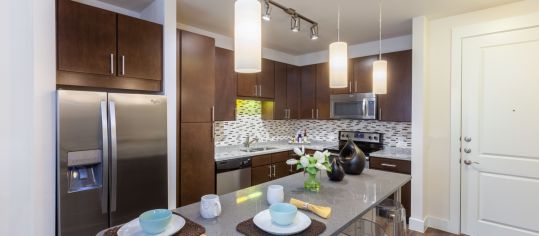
(235,151)
(394,153)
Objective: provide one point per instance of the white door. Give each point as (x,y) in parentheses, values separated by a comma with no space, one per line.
(500,133)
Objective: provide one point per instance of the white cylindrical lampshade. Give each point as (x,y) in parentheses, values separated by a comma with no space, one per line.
(379,77)
(247,36)
(338,65)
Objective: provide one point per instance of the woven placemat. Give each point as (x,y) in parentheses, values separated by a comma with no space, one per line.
(189,229)
(249,228)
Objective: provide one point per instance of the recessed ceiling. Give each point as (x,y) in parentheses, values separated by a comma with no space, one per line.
(359,19)
(133,5)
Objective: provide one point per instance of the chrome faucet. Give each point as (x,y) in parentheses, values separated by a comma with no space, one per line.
(249,141)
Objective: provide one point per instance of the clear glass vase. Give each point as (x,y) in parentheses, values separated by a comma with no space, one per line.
(311,183)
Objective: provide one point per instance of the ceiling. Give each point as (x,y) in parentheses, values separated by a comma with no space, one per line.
(359,19)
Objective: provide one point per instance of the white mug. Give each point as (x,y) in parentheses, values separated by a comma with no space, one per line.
(275,194)
(210,206)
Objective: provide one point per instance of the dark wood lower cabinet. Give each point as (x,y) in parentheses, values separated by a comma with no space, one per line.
(197,163)
(269,167)
(281,169)
(399,166)
(260,174)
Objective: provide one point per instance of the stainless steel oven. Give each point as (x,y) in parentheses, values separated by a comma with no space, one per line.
(353,106)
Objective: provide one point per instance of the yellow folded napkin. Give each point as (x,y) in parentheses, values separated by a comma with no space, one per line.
(321,211)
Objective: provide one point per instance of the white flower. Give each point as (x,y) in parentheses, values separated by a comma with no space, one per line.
(291,162)
(319,157)
(304,161)
(298,151)
(326,153)
(320,166)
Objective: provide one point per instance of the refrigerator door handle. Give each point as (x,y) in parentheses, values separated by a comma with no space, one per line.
(114,156)
(105,161)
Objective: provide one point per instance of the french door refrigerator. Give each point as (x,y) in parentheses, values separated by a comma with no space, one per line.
(112,159)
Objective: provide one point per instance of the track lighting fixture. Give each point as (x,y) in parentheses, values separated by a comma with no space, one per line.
(295,18)
(295,23)
(267,11)
(314,32)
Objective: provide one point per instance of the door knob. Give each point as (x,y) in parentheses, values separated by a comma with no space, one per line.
(467,139)
(469,162)
(467,150)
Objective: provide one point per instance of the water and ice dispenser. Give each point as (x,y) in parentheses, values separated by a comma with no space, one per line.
(84,170)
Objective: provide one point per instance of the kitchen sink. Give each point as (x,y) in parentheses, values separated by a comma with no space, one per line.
(258,149)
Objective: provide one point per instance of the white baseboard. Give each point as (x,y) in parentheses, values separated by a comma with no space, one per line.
(437,223)
(417,225)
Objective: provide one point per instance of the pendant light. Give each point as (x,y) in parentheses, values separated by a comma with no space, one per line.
(379,67)
(338,59)
(247,36)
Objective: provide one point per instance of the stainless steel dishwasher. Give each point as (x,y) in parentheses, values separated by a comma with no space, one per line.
(233,174)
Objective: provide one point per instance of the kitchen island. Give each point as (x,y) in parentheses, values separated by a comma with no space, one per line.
(349,200)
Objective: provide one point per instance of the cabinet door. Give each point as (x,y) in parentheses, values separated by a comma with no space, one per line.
(140,48)
(260,174)
(266,79)
(308,89)
(279,108)
(396,105)
(197,81)
(292,91)
(247,85)
(197,173)
(225,85)
(347,89)
(86,39)
(322,91)
(282,170)
(363,74)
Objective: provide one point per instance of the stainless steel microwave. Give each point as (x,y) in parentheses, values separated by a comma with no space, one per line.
(353,106)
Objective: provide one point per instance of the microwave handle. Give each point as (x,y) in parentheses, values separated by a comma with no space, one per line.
(364,107)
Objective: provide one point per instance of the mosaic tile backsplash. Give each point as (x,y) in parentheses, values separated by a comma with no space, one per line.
(249,121)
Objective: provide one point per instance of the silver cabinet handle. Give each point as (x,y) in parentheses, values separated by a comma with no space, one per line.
(260,90)
(355,86)
(350,86)
(274,171)
(388,165)
(114,156)
(270,171)
(467,150)
(317,114)
(123,65)
(112,63)
(467,139)
(285,113)
(256,91)
(213,123)
(105,161)
(380,113)
(469,162)
(312,113)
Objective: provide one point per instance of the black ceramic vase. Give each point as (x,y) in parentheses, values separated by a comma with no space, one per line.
(337,173)
(352,158)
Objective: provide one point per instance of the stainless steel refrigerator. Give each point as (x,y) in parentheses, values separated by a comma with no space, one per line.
(112,159)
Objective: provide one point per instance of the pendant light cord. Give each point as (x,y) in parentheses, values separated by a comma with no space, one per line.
(338,23)
(380,29)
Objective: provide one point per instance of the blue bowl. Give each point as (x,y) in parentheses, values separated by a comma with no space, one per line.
(283,213)
(155,221)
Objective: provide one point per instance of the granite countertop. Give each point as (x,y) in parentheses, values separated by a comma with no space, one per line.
(349,200)
(394,153)
(234,151)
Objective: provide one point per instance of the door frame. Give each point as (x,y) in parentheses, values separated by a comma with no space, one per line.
(457,220)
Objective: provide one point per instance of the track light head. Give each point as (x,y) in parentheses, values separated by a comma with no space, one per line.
(295,23)
(267,11)
(314,32)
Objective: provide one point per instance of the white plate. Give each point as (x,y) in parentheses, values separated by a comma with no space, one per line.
(263,221)
(132,228)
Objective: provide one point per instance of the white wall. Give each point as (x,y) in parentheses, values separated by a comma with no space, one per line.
(437,108)
(27,120)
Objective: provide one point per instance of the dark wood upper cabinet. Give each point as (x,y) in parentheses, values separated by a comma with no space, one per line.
(247,85)
(363,74)
(197,81)
(293,84)
(86,38)
(308,92)
(225,85)
(279,108)
(92,41)
(140,48)
(197,162)
(396,105)
(266,79)
(322,91)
